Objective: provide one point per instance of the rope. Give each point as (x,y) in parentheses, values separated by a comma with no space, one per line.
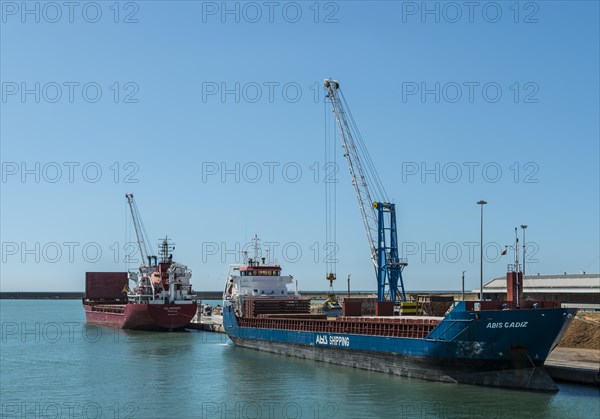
(370,171)
(330,168)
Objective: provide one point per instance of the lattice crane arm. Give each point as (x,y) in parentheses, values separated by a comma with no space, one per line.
(357,173)
(378,215)
(139,231)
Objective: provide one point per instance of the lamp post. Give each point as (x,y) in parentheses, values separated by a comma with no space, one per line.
(463,285)
(524,226)
(481,203)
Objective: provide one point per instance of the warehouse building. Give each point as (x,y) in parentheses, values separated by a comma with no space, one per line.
(582,290)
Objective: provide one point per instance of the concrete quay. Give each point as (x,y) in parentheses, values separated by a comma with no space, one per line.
(574,364)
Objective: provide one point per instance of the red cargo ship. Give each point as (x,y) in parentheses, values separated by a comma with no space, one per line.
(162,300)
(107,303)
(155,317)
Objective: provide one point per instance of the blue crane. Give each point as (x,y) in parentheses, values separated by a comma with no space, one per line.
(378,215)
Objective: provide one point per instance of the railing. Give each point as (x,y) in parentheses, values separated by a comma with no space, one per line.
(451,323)
(389,327)
(512,267)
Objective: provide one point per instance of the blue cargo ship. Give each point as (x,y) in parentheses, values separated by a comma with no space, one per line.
(493,343)
(496,343)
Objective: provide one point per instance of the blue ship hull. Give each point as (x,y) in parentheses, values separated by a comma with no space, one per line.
(504,348)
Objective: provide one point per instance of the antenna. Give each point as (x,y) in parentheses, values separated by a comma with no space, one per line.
(516,251)
(256,240)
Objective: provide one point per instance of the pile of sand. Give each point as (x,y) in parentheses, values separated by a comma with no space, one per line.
(583,332)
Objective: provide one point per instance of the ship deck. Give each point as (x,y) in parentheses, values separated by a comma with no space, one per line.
(416,327)
(108,308)
(387,318)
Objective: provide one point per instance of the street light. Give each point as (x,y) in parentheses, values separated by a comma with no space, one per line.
(524,226)
(481,204)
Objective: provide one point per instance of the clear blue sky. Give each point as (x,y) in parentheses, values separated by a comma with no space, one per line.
(542,132)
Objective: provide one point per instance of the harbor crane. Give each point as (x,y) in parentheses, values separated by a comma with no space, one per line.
(142,236)
(378,214)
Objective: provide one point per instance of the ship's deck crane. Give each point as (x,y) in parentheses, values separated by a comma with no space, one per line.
(379,215)
(140,232)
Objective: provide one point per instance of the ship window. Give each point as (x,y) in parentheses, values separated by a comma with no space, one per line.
(262,291)
(265,272)
(282,291)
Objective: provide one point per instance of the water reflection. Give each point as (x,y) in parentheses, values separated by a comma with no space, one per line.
(198,375)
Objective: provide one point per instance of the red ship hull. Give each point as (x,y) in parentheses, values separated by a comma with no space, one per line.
(155,317)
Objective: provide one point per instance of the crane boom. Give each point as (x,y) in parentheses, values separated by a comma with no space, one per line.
(359,180)
(379,216)
(139,231)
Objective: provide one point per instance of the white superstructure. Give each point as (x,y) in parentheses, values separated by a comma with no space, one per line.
(257,278)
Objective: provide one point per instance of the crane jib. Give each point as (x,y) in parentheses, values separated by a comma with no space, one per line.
(139,230)
(379,218)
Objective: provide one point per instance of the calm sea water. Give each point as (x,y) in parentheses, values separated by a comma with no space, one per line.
(54,366)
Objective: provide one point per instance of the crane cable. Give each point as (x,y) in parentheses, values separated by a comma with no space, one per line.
(128,237)
(370,170)
(144,233)
(330,180)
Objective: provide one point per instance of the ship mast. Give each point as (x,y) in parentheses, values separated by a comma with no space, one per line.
(517,269)
(256,241)
(165,251)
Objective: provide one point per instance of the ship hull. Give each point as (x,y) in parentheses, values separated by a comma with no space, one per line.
(465,347)
(152,317)
(493,374)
